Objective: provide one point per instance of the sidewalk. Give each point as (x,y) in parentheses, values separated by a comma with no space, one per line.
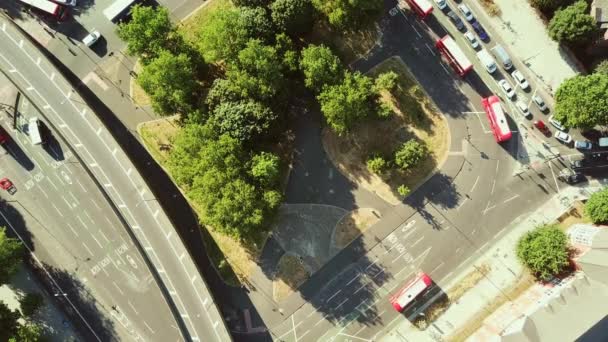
(55,324)
(527,40)
(505,271)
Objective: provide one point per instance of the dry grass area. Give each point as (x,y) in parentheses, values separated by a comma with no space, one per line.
(290,275)
(139,96)
(573,216)
(190,26)
(490,7)
(354,224)
(415,118)
(349,46)
(523,283)
(158,135)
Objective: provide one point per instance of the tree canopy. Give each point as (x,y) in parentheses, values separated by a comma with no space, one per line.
(265,168)
(410,154)
(597,206)
(602,67)
(295,17)
(544,251)
(148,32)
(168,79)
(581,101)
(11,255)
(549,5)
(348,102)
(348,14)
(243,120)
(257,23)
(8,322)
(320,67)
(573,24)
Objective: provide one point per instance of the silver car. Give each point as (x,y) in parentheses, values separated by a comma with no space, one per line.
(521,80)
(507,88)
(540,103)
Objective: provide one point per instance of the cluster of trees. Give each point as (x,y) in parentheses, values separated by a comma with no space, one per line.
(16,326)
(545,251)
(343,14)
(581,101)
(597,207)
(573,24)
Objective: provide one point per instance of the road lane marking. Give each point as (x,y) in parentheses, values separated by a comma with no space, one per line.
(72,228)
(88,249)
(332,296)
(339,305)
(57,209)
(474,185)
(431,50)
(488,208)
(361,287)
(445,69)
(554,179)
(118,288)
(319,321)
(510,199)
(147,326)
(82,222)
(355,337)
(355,278)
(66,202)
(99,244)
(493,185)
(104,236)
(417,241)
(293,324)
(304,334)
(437,267)
(132,307)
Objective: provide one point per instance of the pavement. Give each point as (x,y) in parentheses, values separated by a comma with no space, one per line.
(505,270)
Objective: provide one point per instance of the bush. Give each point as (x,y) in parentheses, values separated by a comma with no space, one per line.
(386,81)
(31,303)
(602,67)
(385,110)
(573,25)
(597,207)
(377,164)
(410,154)
(544,251)
(403,190)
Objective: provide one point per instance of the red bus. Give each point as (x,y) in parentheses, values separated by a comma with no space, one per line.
(422,7)
(411,290)
(496,116)
(457,59)
(56,10)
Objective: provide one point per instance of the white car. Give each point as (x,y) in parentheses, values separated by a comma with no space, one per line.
(468,15)
(441,4)
(507,88)
(66,2)
(91,38)
(556,124)
(540,103)
(563,137)
(471,39)
(523,109)
(521,80)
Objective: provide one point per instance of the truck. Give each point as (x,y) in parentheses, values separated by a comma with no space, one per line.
(487,60)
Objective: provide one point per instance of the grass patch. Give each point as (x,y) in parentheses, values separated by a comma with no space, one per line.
(290,275)
(349,46)
(490,7)
(139,96)
(353,225)
(414,118)
(158,135)
(191,25)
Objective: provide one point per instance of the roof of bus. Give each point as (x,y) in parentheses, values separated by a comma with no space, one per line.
(412,289)
(499,114)
(456,52)
(44,5)
(425,5)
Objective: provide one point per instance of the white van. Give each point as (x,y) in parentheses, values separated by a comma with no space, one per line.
(33,130)
(486,59)
(502,55)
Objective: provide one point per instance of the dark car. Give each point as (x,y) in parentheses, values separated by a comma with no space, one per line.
(481,32)
(456,20)
(575,178)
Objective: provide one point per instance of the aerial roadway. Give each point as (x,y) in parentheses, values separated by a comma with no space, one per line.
(96,231)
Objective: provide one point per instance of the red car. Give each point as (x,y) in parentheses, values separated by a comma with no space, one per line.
(542,127)
(7,185)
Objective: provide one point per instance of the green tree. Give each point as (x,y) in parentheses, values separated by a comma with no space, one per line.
(148,32)
(183,159)
(11,255)
(31,303)
(257,23)
(285,48)
(544,251)
(403,190)
(320,67)
(221,91)
(549,5)
(28,332)
(257,72)
(8,322)
(602,67)
(573,24)
(410,154)
(348,14)
(265,168)
(597,206)
(250,3)
(293,16)
(347,103)
(386,81)
(168,80)
(223,35)
(244,120)
(581,101)
(377,164)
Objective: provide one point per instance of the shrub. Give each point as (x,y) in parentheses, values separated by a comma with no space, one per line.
(410,154)
(597,207)
(377,164)
(386,81)
(403,190)
(544,251)
(385,110)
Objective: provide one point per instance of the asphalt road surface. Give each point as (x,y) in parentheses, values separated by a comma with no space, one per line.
(183,288)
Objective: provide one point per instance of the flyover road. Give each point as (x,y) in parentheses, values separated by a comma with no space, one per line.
(140,213)
(473,199)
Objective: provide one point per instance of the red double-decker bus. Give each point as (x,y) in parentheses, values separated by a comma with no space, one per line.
(49,7)
(422,7)
(455,56)
(496,116)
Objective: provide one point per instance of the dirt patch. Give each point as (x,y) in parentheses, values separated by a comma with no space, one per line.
(490,7)
(290,275)
(353,225)
(573,216)
(415,118)
(349,46)
(139,96)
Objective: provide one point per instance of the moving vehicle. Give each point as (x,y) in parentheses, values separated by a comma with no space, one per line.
(471,39)
(422,7)
(507,88)
(410,291)
(468,15)
(571,177)
(556,123)
(540,103)
(455,19)
(486,59)
(59,12)
(583,145)
(521,80)
(502,55)
(452,52)
(481,32)
(540,125)
(33,129)
(523,109)
(496,116)
(7,185)
(441,4)
(563,137)
(91,38)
